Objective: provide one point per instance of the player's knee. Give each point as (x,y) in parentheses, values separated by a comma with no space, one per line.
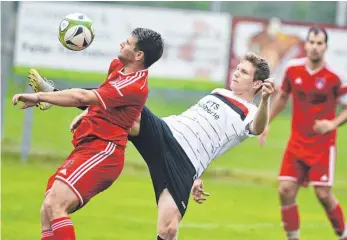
(169,231)
(323,194)
(42,210)
(286,191)
(53,205)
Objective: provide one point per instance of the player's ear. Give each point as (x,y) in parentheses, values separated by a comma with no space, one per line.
(257,84)
(139,55)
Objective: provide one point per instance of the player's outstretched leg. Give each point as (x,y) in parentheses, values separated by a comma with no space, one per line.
(169,217)
(40,84)
(332,209)
(47,233)
(59,201)
(289,209)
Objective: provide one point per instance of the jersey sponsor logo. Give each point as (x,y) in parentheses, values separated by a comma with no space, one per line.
(209,107)
(314,98)
(320,83)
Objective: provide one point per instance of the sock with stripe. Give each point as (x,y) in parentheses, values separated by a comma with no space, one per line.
(290,220)
(63,229)
(47,235)
(337,220)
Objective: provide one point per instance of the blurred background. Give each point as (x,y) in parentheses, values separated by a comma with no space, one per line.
(204,42)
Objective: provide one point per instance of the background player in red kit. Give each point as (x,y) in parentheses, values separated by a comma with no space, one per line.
(310,153)
(98,157)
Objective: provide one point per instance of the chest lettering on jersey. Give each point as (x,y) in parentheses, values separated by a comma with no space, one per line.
(210,107)
(313,98)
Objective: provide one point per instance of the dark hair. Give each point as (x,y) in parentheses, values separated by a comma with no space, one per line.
(316,30)
(150,43)
(262,68)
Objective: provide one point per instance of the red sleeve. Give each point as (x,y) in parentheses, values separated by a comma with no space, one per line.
(286,85)
(113,95)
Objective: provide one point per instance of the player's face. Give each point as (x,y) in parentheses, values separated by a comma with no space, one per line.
(128,52)
(315,47)
(242,80)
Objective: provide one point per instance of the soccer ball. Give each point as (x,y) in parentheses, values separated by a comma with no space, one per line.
(76,32)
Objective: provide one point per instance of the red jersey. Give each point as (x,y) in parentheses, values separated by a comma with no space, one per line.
(315,95)
(122,98)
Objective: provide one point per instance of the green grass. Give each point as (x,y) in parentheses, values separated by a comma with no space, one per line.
(91,77)
(236,209)
(244,202)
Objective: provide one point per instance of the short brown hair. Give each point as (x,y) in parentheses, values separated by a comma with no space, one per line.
(262,69)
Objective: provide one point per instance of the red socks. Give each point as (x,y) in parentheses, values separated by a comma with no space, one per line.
(47,235)
(337,219)
(63,229)
(290,220)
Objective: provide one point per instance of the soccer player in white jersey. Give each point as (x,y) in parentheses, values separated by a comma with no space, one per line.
(179,148)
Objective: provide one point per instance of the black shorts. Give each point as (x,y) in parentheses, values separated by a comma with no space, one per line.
(168,164)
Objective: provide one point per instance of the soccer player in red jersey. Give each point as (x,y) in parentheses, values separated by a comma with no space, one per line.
(98,157)
(310,154)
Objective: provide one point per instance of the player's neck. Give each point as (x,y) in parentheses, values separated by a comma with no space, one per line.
(314,65)
(244,96)
(132,68)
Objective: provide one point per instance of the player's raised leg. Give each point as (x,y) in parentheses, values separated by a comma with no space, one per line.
(40,84)
(169,217)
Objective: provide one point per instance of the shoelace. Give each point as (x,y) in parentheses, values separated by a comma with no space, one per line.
(50,82)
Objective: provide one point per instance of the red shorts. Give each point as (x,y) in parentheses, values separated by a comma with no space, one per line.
(91,168)
(307,167)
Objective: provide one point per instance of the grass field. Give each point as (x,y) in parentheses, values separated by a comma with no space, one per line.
(244,202)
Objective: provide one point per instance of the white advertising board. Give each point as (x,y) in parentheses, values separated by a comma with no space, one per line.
(197,43)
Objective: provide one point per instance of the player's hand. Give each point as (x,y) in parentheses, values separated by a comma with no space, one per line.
(323,126)
(199,195)
(76,122)
(28,99)
(262,137)
(268,88)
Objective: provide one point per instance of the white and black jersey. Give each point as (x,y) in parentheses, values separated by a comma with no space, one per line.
(218,122)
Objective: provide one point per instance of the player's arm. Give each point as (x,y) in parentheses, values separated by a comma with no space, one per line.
(342,117)
(261,118)
(69,98)
(281,98)
(77,120)
(278,104)
(135,129)
(66,98)
(324,126)
(280,101)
